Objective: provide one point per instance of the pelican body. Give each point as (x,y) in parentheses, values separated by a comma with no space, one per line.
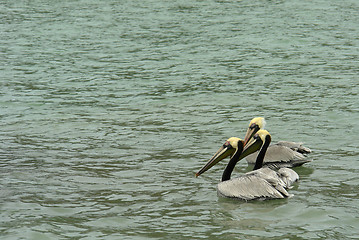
(281,154)
(261,183)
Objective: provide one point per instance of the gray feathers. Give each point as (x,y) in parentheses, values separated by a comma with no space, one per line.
(283,154)
(263,183)
(298,147)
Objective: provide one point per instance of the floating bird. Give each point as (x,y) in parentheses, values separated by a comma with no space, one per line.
(262,182)
(281,154)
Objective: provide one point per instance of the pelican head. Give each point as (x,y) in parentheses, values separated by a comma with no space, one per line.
(256,142)
(256,124)
(229,148)
(234,148)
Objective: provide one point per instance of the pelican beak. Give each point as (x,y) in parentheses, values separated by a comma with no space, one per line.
(252,129)
(225,151)
(253,145)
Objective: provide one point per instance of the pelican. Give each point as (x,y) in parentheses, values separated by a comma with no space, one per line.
(262,182)
(281,154)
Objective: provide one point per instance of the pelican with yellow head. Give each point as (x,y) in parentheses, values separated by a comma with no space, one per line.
(261,183)
(281,154)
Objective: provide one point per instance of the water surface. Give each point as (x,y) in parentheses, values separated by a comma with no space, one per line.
(107,110)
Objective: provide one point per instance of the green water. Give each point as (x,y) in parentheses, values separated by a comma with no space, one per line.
(108,108)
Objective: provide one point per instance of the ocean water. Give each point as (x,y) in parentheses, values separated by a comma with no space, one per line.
(109,108)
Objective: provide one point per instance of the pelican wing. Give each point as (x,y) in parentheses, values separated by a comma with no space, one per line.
(295,146)
(263,183)
(280,155)
(288,176)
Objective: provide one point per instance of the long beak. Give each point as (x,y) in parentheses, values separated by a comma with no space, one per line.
(252,146)
(249,134)
(221,154)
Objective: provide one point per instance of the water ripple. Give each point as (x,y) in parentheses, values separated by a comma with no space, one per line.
(108,110)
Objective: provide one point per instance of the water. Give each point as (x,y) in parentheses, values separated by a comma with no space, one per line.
(108,108)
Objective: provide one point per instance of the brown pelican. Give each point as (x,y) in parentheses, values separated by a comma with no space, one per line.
(281,154)
(261,183)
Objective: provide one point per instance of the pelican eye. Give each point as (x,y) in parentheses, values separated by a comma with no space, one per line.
(227,144)
(256,136)
(253,125)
